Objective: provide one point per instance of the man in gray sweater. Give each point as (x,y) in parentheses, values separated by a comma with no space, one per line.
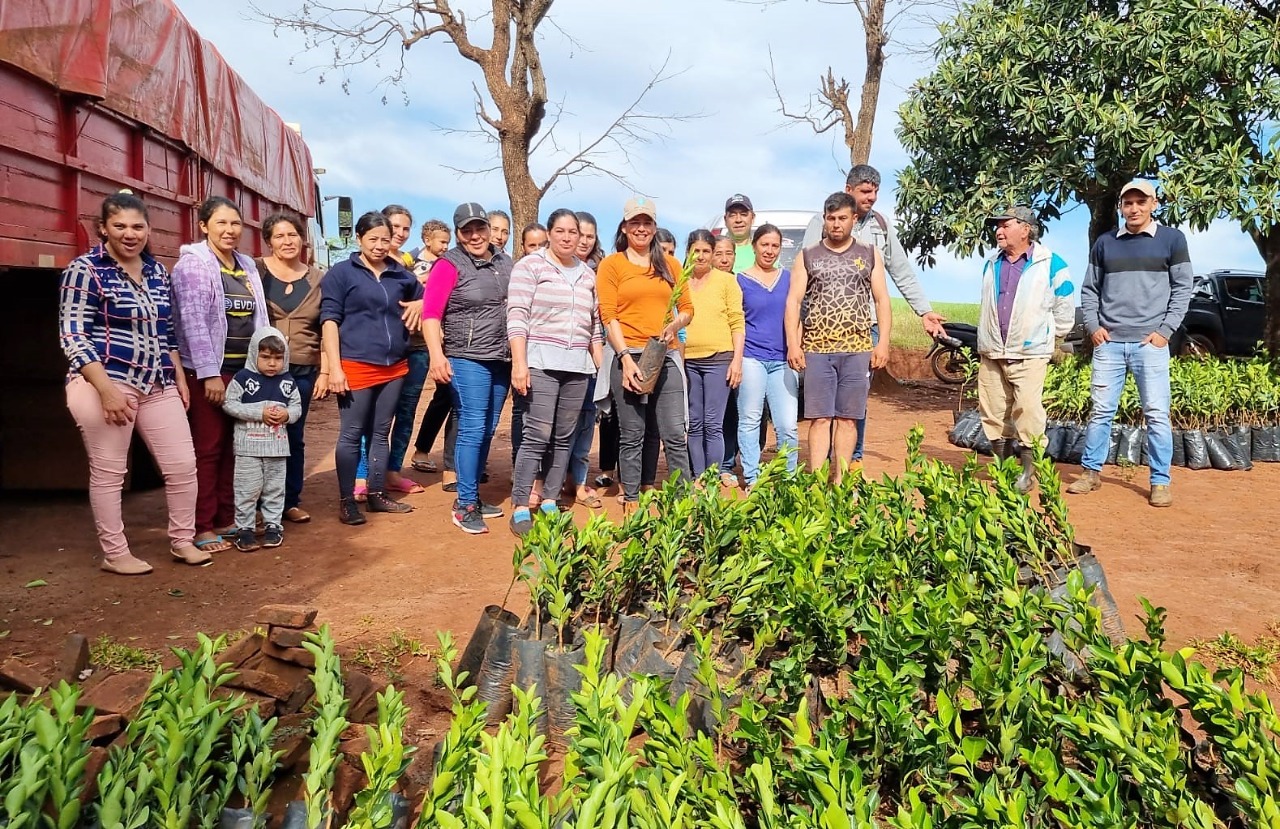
(1134,296)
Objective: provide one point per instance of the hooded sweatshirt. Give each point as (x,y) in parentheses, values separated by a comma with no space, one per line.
(200,307)
(250,394)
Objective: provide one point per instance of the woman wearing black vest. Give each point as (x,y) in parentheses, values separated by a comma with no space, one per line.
(465,323)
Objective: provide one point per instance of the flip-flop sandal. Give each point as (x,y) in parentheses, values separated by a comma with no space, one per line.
(204,544)
(591,501)
(407,486)
(428,467)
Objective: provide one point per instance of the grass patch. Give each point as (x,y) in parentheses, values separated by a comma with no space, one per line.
(386,656)
(108,653)
(907,332)
(1257,660)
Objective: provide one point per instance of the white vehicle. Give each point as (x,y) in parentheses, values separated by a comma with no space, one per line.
(792,223)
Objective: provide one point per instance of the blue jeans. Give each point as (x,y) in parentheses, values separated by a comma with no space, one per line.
(402,423)
(1149,365)
(777,382)
(579,453)
(407,410)
(479,392)
(304,378)
(861,423)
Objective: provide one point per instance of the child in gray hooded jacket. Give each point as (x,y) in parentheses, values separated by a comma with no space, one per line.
(263,399)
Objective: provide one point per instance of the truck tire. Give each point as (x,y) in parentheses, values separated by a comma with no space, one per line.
(1197,344)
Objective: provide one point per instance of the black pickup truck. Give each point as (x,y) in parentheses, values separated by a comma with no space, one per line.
(1227,317)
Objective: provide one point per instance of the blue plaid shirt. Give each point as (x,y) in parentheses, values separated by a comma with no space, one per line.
(104,317)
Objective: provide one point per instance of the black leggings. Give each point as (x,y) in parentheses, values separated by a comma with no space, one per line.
(366,413)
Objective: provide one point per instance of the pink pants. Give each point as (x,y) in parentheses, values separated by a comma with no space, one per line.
(162,422)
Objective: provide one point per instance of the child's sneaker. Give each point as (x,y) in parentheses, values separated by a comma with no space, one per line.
(273,537)
(245,540)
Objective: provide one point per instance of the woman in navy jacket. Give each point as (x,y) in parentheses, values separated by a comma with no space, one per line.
(369,304)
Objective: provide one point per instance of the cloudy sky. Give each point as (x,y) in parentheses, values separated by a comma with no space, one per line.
(598,56)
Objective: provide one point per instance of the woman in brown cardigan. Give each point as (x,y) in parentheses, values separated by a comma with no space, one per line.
(292,288)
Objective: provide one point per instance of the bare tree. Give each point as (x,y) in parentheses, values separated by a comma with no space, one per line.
(514,81)
(830,105)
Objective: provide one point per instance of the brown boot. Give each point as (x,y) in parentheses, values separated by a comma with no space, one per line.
(1161,496)
(1086,483)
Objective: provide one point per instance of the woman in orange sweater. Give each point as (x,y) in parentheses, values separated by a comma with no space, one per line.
(635,288)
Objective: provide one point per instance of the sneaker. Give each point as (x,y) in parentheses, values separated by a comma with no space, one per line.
(245,540)
(1161,496)
(349,512)
(490,511)
(468,520)
(381,502)
(126,565)
(273,537)
(521,522)
(1086,483)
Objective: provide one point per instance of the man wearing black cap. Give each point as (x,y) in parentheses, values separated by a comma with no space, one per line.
(1027,307)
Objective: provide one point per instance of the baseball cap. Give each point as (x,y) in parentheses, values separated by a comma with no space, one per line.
(639,206)
(467,213)
(738,200)
(1141,185)
(1021,213)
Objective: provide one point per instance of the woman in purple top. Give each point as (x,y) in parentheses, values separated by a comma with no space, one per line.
(218,303)
(765,373)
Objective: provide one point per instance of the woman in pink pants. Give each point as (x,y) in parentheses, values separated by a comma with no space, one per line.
(115,326)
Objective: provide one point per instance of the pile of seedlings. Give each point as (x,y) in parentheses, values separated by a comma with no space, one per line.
(1225,415)
(923,651)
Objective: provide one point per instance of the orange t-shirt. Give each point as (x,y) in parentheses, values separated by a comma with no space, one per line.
(637,297)
(367,375)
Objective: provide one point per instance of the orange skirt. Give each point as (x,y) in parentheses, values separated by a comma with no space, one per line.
(367,375)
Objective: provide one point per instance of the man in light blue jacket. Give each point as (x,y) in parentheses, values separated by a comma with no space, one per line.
(1027,309)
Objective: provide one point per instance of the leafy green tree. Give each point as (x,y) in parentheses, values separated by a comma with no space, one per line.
(1054,102)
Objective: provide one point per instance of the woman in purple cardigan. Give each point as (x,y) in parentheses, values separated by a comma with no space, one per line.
(217,305)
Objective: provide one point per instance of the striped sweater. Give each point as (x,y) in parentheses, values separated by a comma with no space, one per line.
(554,309)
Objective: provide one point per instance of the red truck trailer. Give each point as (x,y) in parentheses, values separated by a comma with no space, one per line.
(96,96)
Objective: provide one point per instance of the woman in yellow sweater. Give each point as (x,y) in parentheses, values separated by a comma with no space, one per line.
(712,350)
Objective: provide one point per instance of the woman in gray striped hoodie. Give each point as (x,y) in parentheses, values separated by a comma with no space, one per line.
(556,345)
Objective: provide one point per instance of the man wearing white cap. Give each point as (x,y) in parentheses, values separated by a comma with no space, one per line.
(1134,296)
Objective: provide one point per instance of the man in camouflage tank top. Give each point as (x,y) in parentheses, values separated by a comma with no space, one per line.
(828,326)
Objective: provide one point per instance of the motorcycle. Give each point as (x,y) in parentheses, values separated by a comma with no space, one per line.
(953,351)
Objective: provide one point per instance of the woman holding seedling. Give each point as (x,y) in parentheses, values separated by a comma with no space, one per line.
(643,297)
(116,327)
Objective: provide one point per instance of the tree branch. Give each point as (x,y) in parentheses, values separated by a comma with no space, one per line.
(631,124)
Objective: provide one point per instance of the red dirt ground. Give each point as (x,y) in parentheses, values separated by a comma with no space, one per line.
(1208,560)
